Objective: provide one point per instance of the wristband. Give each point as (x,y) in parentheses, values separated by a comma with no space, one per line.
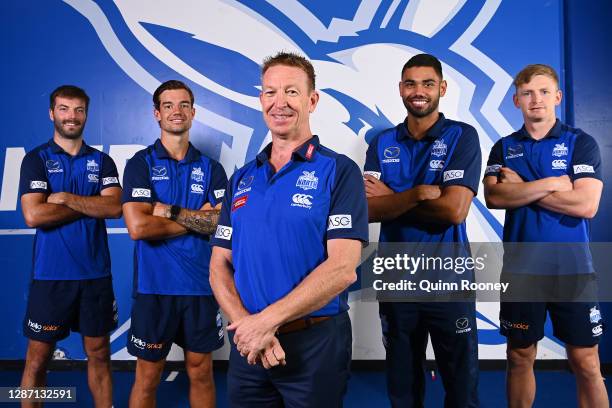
(174,212)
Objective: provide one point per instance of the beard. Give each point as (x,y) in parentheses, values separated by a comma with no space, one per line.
(72,134)
(427,109)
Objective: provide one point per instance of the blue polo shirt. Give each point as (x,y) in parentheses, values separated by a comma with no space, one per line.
(563,151)
(277,224)
(78,249)
(173,266)
(448,155)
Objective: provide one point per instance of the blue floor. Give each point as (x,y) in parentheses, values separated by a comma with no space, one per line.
(366,389)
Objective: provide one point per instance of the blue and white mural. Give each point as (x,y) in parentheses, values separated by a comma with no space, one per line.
(120,51)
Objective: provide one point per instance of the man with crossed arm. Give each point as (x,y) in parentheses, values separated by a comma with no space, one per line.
(547,176)
(171,204)
(420,179)
(285,251)
(67,190)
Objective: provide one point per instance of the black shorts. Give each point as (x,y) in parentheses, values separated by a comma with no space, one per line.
(192,322)
(55,307)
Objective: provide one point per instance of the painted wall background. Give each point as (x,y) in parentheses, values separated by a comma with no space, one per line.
(121,51)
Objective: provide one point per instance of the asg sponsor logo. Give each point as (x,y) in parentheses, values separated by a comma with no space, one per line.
(35,184)
(302,200)
(375,174)
(219,193)
(109,180)
(197,174)
(583,168)
(391,154)
(597,330)
(223,232)
(159,173)
(463,325)
(143,345)
(594,315)
(559,164)
(515,151)
(307,181)
(339,221)
(439,149)
(560,150)
(141,193)
(453,175)
(92,178)
(495,168)
(53,166)
(436,165)
(244,186)
(197,188)
(92,166)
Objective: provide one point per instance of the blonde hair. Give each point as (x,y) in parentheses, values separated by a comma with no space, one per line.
(532,70)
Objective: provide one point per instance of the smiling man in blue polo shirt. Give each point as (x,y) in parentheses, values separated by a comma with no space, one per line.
(67,190)
(420,179)
(548,177)
(285,251)
(171,205)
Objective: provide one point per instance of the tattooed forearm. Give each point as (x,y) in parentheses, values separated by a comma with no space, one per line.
(203,221)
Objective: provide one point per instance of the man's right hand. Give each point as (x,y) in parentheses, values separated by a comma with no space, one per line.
(563,183)
(273,355)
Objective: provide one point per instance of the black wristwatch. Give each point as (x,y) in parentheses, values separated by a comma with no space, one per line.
(174,212)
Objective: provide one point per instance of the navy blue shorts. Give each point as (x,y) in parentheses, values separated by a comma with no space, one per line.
(316,375)
(192,322)
(57,306)
(574,323)
(452,327)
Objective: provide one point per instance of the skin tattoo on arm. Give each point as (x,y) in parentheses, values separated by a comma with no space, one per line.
(201,221)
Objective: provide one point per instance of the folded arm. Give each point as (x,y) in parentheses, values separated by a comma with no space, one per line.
(451,207)
(582,201)
(384,204)
(203,221)
(509,190)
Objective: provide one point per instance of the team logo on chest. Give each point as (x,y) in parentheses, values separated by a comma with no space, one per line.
(197,174)
(159,173)
(439,148)
(560,150)
(307,181)
(92,166)
(53,166)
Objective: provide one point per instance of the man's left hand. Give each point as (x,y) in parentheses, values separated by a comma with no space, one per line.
(507,175)
(375,188)
(60,198)
(161,210)
(253,334)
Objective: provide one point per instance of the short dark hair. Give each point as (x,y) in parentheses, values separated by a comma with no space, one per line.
(170,85)
(532,70)
(291,59)
(68,91)
(424,60)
